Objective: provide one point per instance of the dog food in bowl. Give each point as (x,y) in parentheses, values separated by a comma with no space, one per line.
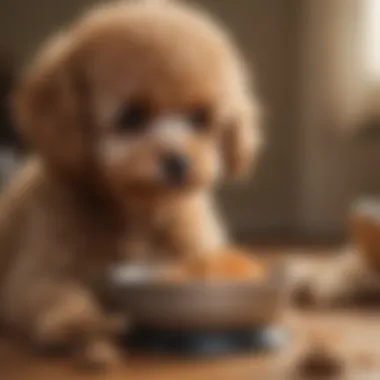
(231,266)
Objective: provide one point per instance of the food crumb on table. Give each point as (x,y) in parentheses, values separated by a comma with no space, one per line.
(318,362)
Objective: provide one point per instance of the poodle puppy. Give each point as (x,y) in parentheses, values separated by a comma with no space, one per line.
(135,112)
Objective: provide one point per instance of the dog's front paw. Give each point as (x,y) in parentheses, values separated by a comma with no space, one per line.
(100,354)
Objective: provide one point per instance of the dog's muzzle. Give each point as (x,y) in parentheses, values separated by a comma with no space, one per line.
(175,169)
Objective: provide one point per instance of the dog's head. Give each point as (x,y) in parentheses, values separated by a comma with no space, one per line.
(151,95)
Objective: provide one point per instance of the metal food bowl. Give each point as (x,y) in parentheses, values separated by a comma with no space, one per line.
(196,305)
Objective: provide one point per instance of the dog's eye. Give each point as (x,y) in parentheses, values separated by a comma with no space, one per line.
(200,118)
(133,118)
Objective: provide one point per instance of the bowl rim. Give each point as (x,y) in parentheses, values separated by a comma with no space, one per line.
(275,279)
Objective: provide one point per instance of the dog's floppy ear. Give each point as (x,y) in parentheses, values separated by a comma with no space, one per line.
(242,140)
(48,104)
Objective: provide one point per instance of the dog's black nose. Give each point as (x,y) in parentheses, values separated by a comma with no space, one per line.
(175,168)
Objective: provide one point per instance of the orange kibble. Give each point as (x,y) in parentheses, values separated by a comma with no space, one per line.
(230,265)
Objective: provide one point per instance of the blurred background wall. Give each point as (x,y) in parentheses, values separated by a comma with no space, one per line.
(304,57)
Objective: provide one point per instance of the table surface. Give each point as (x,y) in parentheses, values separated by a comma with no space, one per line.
(353,335)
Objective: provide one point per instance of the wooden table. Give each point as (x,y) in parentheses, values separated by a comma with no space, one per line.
(355,336)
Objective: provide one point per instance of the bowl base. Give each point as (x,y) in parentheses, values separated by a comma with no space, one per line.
(187,343)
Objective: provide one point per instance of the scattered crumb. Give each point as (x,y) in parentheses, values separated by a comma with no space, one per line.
(319,363)
(304,296)
(365,360)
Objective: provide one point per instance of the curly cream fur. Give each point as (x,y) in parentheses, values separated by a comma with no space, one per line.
(89,197)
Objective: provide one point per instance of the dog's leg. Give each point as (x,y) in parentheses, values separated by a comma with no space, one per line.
(64,315)
(195,229)
(198,235)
